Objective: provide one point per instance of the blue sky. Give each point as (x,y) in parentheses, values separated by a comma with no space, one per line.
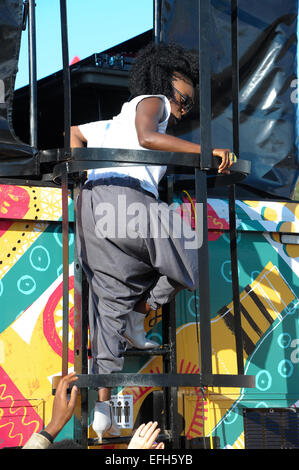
(93,26)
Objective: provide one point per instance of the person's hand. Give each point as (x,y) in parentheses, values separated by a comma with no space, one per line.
(145,436)
(63,408)
(226,163)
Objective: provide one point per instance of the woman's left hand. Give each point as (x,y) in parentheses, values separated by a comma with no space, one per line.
(226,163)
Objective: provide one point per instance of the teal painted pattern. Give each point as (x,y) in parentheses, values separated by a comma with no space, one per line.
(32,274)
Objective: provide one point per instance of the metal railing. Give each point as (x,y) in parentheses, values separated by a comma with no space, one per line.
(76,160)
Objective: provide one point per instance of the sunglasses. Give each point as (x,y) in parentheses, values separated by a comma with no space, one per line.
(187,103)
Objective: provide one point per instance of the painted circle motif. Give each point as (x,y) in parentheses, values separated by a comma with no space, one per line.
(193,305)
(231,416)
(226,271)
(26,284)
(284,340)
(40,258)
(263,380)
(59,237)
(52,320)
(261,404)
(285,368)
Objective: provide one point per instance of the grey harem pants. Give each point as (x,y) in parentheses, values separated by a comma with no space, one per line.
(132,247)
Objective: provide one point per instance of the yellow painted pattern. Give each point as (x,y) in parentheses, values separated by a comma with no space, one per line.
(292,251)
(39,362)
(41,203)
(276,212)
(240,442)
(45,203)
(16,241)
(270,214)
(15,410)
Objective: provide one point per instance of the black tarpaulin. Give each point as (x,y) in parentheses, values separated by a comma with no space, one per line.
(16,158)
(267,65)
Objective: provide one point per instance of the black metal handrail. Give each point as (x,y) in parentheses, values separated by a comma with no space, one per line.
(164,380)
(90,158)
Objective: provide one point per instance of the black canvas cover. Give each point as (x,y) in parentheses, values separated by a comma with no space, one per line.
(16,158)
(268,95)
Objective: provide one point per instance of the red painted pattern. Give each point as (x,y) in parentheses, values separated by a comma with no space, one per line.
(49,327)
(18,417)
(14,202)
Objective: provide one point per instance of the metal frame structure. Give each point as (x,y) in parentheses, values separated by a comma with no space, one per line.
(69,163)
(73,161)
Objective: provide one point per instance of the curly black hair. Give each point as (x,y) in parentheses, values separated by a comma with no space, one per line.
(155,66)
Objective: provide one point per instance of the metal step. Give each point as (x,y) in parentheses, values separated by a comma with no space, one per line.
(163,437)
(164,380)
(163,351)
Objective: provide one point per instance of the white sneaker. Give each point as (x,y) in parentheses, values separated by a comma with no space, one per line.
(135,333)
(103,421)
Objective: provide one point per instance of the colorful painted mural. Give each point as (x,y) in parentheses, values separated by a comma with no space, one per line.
(31,316)
(31,310)
(268,254)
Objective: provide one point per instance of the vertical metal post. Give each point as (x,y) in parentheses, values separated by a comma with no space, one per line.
(80,343)
(205,83)
(65,220)
(201,186)
(170,400)
(84,354)
(157,21)
(32,73)
(65,263)
(232,192)
(170,360)
(235,74)
(204,278)
(66,78)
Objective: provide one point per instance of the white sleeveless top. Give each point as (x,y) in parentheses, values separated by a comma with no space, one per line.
(120,132)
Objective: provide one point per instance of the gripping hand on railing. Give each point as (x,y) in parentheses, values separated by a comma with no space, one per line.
(63,407)
(227,157)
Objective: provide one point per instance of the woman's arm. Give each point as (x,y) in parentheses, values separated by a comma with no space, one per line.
(77,138)
(149,113)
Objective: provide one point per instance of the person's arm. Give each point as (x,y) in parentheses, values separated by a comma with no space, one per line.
(37,441)
(149,113)
(77,138)
(62,412)
(62,407)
